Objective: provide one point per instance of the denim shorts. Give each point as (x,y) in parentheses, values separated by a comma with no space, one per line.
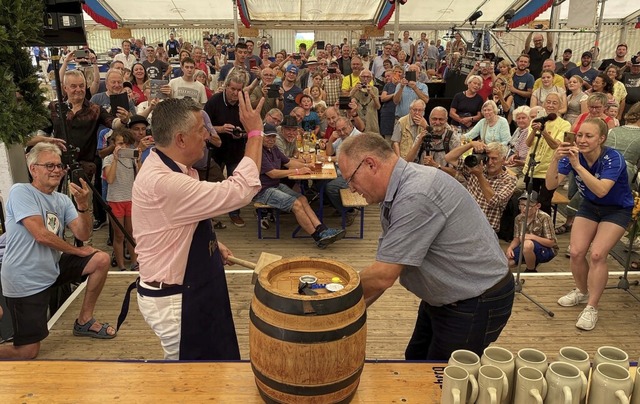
(604,213)
(281,197)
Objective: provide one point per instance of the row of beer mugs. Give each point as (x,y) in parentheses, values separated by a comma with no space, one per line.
(499,377)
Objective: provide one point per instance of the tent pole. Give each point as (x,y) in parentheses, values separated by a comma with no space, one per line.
(555,31)
(497,41)
(396,24)
(235,19)
(599,26)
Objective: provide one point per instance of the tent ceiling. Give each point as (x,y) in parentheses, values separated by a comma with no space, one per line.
(324,13)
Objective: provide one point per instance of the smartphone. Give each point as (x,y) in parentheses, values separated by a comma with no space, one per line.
(252,63)
(410,76)
(76,175)
(273,91)
(81,54)
(118,100)
(331,70)
(128,153)
(569,137)
(483,64)
(320,45)
(297,57)
(343,102)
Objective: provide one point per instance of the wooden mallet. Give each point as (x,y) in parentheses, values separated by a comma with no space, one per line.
(264,260)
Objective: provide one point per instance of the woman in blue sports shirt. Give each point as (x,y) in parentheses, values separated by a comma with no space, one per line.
(603,216)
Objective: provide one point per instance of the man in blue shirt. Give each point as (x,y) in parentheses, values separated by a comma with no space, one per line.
(38,258)
(408,91)
(584,71)
(523,82)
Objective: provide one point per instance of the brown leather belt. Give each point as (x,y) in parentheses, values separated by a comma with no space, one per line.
(161,285)
(501,284)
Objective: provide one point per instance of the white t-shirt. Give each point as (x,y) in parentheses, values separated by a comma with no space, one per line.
(194,89)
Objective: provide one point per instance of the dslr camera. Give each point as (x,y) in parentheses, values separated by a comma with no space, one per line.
(474,159)
(238,132)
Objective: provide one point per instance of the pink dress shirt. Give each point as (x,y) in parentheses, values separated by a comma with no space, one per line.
(167,206)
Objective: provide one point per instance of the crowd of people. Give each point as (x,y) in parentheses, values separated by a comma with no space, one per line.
(228,127)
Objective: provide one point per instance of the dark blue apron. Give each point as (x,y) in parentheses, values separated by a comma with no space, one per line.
(207,332)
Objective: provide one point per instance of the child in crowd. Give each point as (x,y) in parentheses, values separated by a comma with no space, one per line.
(320,110)
(506,72)
(612,111)
(311,120)
(540,243)
(119,170)
(316,95)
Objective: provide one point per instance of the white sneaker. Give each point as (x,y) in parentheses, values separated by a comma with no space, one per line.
(588,319)
(573,298)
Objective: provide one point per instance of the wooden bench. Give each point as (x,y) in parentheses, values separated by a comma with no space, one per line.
(260,208)
(352,200)
(557,199)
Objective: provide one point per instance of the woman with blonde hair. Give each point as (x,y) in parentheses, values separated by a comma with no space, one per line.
(540,95)
(619,90)
(577,100)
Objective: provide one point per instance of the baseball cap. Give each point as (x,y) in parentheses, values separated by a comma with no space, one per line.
(533,198)
(269,130)
(127,84)
(567,51)
(137,119)
(292,68)
(289,122)
(587,54)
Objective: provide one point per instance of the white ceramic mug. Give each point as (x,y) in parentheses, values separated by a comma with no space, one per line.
(635,397)
(611,354)
(566,384)
(610,383)
(531,358)
(531,386)
(458,387)
(577,357)
(467,360)
(492,385)
(503,359)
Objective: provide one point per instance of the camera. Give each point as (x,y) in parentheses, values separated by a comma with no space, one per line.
(81,54)
(538,26)
(474,159)
(331,70)
(237,132)
(128,153)
(297,57)
(635,60)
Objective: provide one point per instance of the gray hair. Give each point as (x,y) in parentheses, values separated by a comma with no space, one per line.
(34,153)
(172,116)
(496,147)
(492,104)
(76,73)
(417,101)
(523,109)
(238,76)
(439,108)
(113,71)
(473,77)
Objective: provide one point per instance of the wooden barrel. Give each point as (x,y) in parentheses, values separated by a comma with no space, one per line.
(309,347)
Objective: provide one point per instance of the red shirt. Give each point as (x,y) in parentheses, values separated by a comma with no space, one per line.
(487,88)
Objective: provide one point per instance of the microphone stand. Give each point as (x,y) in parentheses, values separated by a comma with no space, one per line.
(518,283)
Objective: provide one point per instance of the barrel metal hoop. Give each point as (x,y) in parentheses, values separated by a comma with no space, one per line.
(307,390)
(308,307)
(307,337)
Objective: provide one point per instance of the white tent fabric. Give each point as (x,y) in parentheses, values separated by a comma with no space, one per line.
(321,12)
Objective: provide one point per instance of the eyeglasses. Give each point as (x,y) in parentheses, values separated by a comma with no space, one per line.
(595,107)
(50,166)
(277,121)
(354,172)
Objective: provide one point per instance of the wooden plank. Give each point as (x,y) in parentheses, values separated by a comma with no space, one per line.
(89,382)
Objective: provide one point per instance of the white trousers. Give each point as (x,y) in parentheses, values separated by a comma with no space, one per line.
(163,314)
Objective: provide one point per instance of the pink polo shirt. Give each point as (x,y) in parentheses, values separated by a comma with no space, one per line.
(167,206)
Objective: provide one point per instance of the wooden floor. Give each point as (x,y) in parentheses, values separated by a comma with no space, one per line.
(390,319)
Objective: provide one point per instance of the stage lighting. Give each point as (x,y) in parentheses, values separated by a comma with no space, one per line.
(474,17)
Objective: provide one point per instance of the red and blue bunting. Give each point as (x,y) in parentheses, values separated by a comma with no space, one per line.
(529,12)
(244,13)
(99,14)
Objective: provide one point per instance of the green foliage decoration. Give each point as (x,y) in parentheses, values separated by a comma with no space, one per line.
(20,27)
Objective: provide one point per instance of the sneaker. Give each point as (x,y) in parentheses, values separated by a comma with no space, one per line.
(573,298)
(330,236)
(264,223)
(237,220)
(588,319)
(134,267)
(272,217)
(98,224)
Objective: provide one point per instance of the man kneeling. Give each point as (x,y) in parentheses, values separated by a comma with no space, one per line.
(540,243)
(38,259)
(280,196)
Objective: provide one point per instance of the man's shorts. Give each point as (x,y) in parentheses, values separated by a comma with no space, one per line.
(29,313)
(543,254)
(121,209)
(281,197)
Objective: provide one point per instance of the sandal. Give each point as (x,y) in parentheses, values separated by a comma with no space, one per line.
(563,229)
(85,330)
(219,225)
(634,266)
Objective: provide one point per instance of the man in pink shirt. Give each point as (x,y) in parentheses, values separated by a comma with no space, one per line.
(182,289)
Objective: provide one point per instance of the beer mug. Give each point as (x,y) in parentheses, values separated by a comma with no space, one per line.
(458,387)
(635,396)
(531,386)
(566,384)
(503,359)
(610,383)
(577,357)
(467,360)
(611,354)
(492,385)
(531,358)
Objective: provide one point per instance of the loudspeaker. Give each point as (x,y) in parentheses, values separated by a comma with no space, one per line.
(63,23)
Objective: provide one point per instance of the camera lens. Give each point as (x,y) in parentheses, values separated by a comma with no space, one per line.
(471,161)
